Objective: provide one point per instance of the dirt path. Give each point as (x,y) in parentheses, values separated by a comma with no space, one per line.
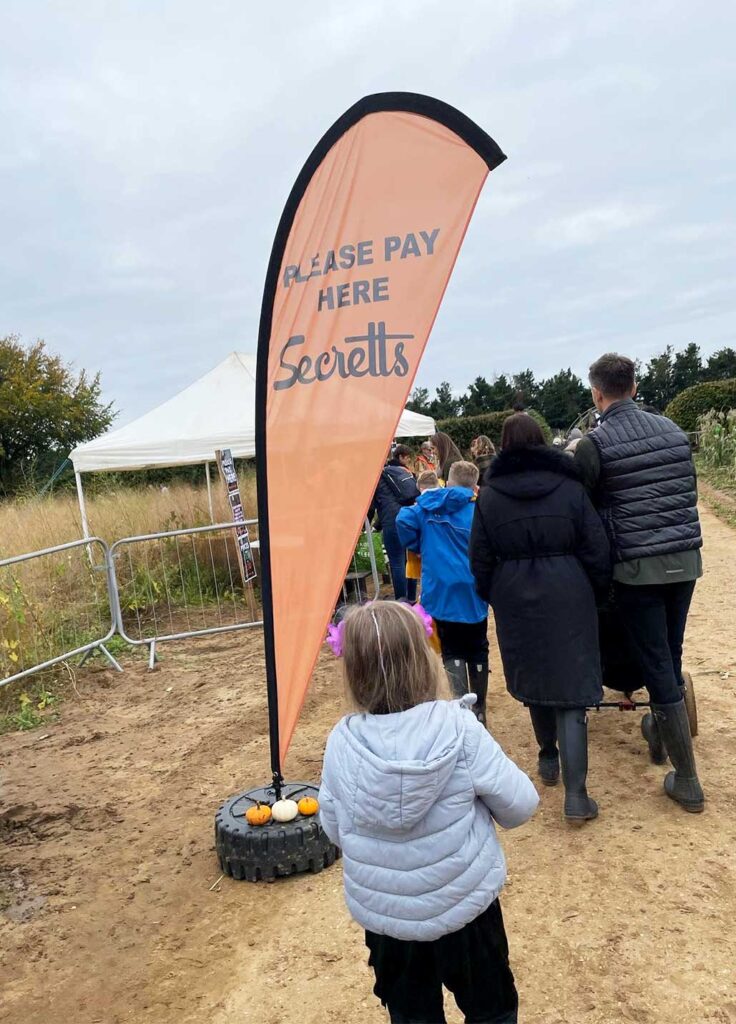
(107,860)
(712,494)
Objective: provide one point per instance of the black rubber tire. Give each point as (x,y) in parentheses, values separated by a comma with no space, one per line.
(266,852)
(690,705)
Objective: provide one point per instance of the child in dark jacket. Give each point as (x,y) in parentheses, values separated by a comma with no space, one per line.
(396,488)
(438,527)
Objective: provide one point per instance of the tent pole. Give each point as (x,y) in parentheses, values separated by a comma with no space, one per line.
(209,491)
(83,511)
(82,506)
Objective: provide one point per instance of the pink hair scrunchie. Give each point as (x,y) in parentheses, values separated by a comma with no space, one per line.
(335,638)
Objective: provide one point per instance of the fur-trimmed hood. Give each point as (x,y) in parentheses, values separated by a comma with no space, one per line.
(531,472)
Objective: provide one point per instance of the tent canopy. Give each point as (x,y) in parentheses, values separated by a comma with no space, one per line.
(216,411)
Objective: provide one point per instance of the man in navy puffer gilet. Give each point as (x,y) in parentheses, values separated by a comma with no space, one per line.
(639,469)
(648,493)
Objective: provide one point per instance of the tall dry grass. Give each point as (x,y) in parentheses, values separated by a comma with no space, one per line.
(59,602)
(28,524)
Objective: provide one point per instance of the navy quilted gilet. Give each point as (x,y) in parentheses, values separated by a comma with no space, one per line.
(647,495)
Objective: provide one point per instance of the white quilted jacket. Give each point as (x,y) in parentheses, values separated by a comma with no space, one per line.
(411,799)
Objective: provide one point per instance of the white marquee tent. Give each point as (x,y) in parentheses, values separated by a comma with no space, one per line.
(217,411)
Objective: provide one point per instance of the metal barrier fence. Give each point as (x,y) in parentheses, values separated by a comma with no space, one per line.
(181,583)
(353,587)
(55,604)
(69,600)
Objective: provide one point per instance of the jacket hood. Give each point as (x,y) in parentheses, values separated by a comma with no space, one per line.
(402,762)
(530,472)
(445,499)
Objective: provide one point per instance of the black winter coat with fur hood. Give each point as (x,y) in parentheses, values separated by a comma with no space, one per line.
(539,553)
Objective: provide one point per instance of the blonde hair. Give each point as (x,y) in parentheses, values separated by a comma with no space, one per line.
(482,445)
(463,474)
(427,480)
(389,665)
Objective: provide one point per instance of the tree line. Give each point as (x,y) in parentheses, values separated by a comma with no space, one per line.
(46,408)
(562,397)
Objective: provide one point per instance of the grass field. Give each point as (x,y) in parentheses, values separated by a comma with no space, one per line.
(59,602)
(28,524)
(718,488)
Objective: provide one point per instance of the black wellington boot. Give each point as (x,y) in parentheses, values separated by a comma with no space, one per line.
(650,732)
(682,785)
(572,736)
(544,723)
(478,672)
(457,672)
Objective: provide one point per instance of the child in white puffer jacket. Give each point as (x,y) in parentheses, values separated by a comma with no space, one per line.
(411,788)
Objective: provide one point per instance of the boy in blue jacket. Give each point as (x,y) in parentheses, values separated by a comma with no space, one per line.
(437,527)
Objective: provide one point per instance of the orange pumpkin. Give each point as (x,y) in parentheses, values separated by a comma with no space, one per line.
(258,815)
(308,806)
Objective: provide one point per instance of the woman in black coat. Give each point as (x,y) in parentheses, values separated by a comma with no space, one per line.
(539,554)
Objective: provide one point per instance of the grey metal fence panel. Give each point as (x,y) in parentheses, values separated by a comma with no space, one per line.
(368,530)
(183,583)
(69,600)
(55,604)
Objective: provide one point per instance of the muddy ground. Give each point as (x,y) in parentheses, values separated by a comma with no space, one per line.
(112,910)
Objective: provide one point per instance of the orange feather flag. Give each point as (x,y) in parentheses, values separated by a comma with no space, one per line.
(361,260)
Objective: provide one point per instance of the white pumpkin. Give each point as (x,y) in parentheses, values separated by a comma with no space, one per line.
(284,810)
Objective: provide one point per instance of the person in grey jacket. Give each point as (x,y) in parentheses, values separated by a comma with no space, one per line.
(412,788)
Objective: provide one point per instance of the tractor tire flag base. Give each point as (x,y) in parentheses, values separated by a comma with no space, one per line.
(362,256)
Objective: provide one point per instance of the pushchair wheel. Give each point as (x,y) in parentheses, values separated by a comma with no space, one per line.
(690,706)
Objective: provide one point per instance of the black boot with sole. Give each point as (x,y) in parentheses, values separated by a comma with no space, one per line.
(572,736)
(544,723)
(650,732)
(682,785)
(478,673)
(457,673)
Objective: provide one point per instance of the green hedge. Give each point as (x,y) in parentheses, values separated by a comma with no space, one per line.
(463,429)
(692,403)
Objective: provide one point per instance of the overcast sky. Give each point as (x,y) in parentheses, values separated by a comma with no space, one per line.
(147,149)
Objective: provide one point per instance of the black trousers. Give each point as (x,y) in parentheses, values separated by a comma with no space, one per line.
(467,641)
(472,963)
(655,617)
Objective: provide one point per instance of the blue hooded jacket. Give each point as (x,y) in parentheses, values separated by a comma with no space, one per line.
(438,529)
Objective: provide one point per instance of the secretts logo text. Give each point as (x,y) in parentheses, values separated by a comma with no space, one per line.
(374,354)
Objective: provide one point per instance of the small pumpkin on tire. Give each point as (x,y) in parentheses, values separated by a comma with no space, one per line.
(259,814)
(308,805)
(284,810)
